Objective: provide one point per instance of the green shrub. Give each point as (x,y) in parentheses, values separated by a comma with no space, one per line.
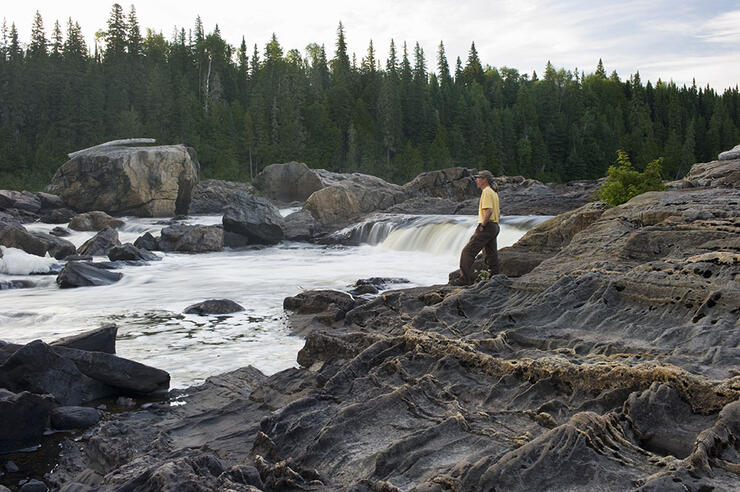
(623,182)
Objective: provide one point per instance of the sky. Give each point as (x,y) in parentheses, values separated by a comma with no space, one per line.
(667,39)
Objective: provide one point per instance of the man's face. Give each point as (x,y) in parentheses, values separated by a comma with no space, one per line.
(481,182)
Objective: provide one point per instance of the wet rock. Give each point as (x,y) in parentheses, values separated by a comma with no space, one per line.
(212,196)
(101,339)
(94,221)
(190,239)
(117,372)
(259,221)
(23,419)
(374,285)
(316,301)
(58,216)
(130,252)
(50,202)
(16,284)
(101,243)
(55,246)
(147,242)
(36,368)
(33,485)
(214,306)
(140,181)
(85,274)
(60,232)
(14,235)
(66,418)
(288,182)
(300,226)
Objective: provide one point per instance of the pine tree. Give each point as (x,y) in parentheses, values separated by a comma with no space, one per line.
(57,41)
(133,39)
(442,66)
(600,71)
(116,35)
(38,48)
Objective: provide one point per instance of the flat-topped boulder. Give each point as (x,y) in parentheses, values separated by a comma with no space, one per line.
(120,180)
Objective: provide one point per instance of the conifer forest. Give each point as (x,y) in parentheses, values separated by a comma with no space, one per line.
(247,106)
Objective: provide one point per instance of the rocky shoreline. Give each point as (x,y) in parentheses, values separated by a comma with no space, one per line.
(606,358)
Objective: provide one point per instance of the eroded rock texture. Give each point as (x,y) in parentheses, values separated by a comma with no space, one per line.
(611,364)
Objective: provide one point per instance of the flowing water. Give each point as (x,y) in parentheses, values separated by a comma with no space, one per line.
(148,302)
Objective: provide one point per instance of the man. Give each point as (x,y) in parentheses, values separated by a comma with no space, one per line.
(484,237)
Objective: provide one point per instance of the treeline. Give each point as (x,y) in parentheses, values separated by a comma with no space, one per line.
(243,109)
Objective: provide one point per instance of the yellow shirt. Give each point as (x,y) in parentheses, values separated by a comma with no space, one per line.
(488,199)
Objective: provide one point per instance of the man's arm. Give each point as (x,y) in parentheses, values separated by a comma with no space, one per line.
(486,216)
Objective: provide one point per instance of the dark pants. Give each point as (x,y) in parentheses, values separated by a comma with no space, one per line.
(481,240)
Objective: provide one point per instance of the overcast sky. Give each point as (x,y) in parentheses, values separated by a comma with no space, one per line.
(668,39)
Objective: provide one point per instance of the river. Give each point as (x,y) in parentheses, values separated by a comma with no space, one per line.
(148,302)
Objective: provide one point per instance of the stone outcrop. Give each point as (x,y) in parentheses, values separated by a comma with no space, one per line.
(288,182)
(214,306)
(119,180)
(212,196)
(610,365)
(730,155)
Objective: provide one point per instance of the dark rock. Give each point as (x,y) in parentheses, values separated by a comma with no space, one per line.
(58,216)
(300,226)
(11,467)
(84,274)
(128,251)
(191,239)
(16,284)
(23,419)
(94,221)
(37,368)
(456,184)
(33,485)
(214,306)
(120,180)
(14,235)
(57,247)
(101,243)
(147,242)
(65,418)
(259,221)
(288,182)
(316,301)
(101,339)
(60,232)
(116,371)
(20,200)
(374,285)
(212,196)
(79,258)
(234,240)
(428,206)
(50,202)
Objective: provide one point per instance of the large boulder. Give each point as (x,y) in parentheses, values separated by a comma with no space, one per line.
(20,200)
(101,243)
(300,226)
(94,221)
(140,181)
(23,419)
(288,182)
(257,220)
(212,196)
(191,238)
(346,197)
(731,154)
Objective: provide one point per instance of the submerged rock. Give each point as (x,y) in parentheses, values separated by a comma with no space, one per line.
(130,252)
(214,306)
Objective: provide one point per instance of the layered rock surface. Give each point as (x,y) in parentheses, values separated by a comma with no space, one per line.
(611,364)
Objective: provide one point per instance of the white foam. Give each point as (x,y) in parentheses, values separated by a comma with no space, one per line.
(17,262)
